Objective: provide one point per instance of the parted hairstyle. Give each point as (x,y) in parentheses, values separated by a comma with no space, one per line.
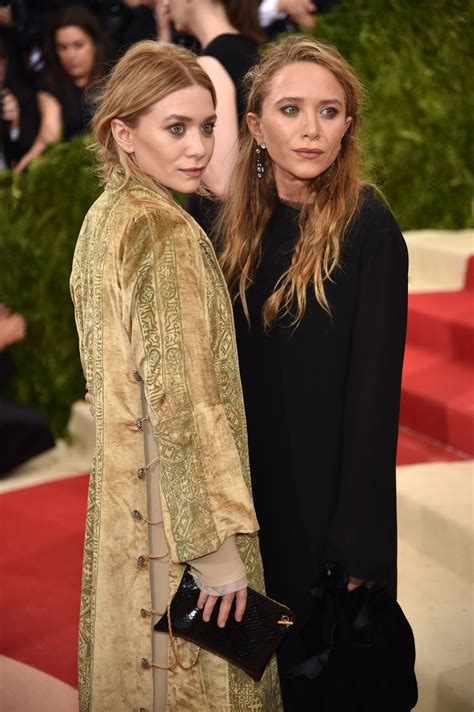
(333,198)
(146,73)
(76,16)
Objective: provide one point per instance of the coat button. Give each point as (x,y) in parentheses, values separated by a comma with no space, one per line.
(137,515)
(141,560)
(141,473)
(144,613)
(139,423)
(145,663)
(137,376)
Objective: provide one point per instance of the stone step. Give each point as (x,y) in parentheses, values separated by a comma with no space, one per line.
(443,323)
(438,398)
(438,259)
(435,557)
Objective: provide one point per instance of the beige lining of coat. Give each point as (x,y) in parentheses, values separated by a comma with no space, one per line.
(159,568)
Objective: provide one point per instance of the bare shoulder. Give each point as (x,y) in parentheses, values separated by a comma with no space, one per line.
(217,72)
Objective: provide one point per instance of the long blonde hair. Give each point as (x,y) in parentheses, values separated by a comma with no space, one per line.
(333,197)
(146,73)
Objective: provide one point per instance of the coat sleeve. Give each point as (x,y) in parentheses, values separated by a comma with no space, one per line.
(363,532)
(205,498)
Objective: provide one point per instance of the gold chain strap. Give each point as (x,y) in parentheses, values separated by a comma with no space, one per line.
(174,647)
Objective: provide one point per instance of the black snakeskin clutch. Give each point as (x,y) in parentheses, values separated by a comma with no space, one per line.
(249,644)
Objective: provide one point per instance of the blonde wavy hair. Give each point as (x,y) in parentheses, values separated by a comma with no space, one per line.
(333,197)
(146,73)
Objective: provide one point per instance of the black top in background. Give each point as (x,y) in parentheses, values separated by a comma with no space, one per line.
(76,111)
(237,54)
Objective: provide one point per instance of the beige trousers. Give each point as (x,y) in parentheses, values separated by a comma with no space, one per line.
(157,546)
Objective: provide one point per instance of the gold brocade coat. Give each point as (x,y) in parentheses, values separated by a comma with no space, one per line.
(151,305)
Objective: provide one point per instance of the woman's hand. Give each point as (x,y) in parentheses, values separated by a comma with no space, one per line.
(10,110)
(163,21)
(300,11)
(356,582)
(12,329)
(207,603)
(49,130)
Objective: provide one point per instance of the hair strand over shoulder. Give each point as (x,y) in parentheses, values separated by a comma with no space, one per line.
(333,200)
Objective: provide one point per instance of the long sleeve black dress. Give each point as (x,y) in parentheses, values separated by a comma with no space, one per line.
(322,404)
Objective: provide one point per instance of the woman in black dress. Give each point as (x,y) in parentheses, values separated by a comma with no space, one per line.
(77,52)
(317,268)
(229,34)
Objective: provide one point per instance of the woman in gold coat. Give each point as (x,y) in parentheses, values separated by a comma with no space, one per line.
(170,478)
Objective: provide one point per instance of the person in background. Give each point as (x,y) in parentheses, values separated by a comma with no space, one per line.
(229,34)
(279,15)
(317,268)
(23,431)
(77,54)
(135,21)
(18,113)
(10,124)
(9,114)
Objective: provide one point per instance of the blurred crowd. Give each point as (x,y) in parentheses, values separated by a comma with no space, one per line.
(52,52)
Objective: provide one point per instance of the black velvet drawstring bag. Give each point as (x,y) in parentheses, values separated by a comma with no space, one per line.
(360,650)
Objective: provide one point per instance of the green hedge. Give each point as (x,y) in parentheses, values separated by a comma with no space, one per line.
(40,217)
(415,61)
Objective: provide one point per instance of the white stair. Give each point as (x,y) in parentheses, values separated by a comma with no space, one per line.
(438,259)
(435,589)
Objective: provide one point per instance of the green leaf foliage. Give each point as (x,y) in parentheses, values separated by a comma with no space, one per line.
(41,213)
(415,61)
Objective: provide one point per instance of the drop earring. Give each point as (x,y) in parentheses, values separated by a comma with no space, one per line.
(260,166)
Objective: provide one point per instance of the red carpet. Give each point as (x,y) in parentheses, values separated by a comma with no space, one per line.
(41,558)
(469,283)
(414,448)
(438,380)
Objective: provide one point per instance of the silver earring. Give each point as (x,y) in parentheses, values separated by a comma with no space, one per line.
(260,166)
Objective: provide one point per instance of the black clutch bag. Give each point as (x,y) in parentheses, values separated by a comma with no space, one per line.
(249,644)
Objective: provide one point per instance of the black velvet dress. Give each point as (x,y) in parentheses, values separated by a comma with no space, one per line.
(322,405)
